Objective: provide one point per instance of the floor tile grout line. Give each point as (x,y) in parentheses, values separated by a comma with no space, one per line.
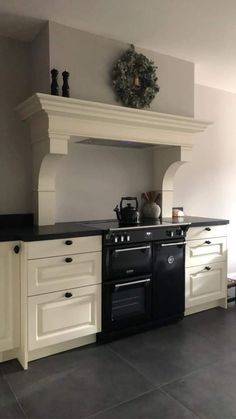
(180,403)
(15,397)
(168,382)
(120,404)
(132,366)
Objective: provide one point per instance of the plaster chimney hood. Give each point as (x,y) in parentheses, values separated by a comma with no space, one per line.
(54,121)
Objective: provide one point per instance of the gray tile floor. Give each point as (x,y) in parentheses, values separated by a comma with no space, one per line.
(181,371)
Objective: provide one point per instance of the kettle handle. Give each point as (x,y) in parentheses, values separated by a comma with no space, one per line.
(128,198)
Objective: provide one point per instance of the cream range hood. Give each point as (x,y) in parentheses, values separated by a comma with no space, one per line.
(55,121)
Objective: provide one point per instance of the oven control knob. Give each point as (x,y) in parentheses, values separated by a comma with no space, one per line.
(122,239)
(170,233)
(116,239)
(128,238)
(180,232)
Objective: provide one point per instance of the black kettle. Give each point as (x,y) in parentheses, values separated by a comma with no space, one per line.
(127,215)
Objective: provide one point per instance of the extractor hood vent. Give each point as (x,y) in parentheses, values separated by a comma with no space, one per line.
(114,143)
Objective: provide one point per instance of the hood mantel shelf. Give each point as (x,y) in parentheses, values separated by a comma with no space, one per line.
(54,121)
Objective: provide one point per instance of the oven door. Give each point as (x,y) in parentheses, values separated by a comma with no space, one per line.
(127,303)
(124,262)
(169,279)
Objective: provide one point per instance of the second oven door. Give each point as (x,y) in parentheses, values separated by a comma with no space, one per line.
(168,279)
(126,303)
(125,262)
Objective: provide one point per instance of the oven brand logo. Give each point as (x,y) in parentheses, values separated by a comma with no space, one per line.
(171,260)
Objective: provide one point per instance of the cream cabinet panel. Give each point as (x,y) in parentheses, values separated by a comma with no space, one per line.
(58,273)
(48,248)
(206,251)
(53,318)
(9,296)
(205,232)
(205,285)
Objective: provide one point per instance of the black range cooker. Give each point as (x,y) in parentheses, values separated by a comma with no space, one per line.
(143,283)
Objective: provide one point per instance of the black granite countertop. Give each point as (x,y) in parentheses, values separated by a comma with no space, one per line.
(197,221)
(12,229)
(56,231)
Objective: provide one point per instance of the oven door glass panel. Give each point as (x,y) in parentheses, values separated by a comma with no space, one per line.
(130,301)
(123,262)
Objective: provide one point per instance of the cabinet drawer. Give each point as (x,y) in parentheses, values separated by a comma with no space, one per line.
(53,318)
(206,232)
(58,273)
(47,248)
(203,251)
(203,286)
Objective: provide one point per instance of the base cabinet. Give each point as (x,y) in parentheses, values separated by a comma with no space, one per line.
(9,296)
(205,268)
(205,285)
(61,316)
(62,295)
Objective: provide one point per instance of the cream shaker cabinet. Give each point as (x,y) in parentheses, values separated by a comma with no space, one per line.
(62,295)
(9,297)
(206,268)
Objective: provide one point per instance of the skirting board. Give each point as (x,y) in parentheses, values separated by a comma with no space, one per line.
(196,309)
(8,355)
(61,347)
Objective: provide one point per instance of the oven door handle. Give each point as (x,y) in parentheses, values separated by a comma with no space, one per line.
(141,281)
(127,249)
(172,244)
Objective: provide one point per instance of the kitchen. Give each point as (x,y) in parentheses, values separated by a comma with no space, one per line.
(87,212)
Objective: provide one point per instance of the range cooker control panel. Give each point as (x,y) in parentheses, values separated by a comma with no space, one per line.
(136,235)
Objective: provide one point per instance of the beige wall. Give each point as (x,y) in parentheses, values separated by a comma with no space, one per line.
(90,58)
(15,154)
(92,179)
(40,62)
(206,186)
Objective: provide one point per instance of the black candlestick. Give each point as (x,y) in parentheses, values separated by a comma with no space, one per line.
(54,84)
(65,87)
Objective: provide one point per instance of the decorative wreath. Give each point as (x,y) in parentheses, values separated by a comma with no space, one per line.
(134,79)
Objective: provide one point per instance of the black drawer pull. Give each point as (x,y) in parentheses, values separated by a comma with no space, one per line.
(68,260)
(68,242)
(207,242)
(16,249)
(207,268)
(208,229)
(68,295)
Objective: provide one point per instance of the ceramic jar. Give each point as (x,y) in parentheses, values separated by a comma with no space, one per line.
(151,210)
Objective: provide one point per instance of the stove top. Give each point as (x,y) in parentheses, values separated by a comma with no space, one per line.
(113,225)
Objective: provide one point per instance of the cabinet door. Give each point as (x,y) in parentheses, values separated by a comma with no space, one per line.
(61,316)
(205,284)
(58,273)
(48,248)
(199,252)
(206,232)
(9,296)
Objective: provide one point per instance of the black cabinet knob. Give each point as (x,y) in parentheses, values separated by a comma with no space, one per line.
(207,268)
(68,260)
(68,242)
(207,242)
(68,295)
(16,249)
(208,229)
